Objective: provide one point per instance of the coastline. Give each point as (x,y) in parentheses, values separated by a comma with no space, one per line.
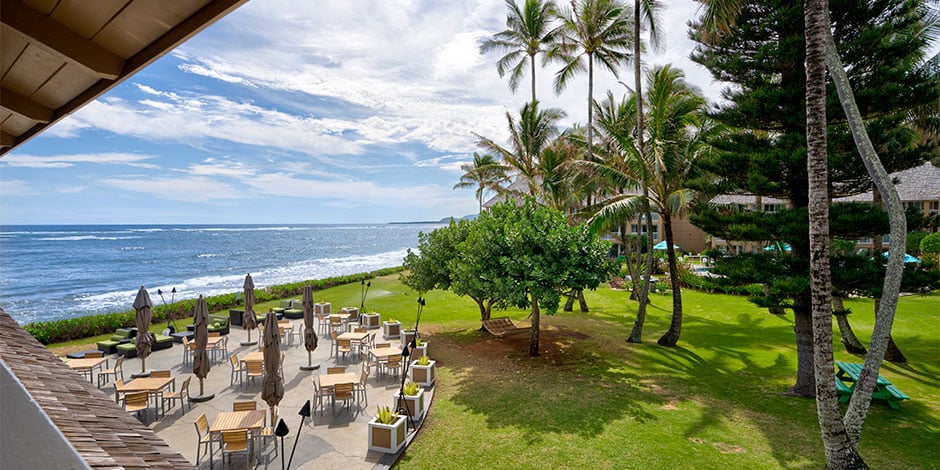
(55,332)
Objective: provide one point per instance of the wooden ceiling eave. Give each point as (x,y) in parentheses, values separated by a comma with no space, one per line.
(94,58)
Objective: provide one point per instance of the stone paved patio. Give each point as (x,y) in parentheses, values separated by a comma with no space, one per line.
(337,439)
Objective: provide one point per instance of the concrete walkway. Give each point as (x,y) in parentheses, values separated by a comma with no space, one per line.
(337,439)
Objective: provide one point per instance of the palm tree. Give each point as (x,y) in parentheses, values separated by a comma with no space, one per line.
(592,31)
(678,136)
(645,13)
(528,32)
(483,174)
(529,136)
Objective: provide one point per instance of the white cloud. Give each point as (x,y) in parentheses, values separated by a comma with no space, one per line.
(194,189)
(65,161)
(16,188)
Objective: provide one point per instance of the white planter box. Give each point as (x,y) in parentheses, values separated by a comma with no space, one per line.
(323,307)
(421,350)
(416,404)
(391,329)
(406,337)
(388,438)
(424,375)
(371,320)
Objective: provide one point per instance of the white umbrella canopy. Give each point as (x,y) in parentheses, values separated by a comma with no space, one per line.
(144,341)
(273,386)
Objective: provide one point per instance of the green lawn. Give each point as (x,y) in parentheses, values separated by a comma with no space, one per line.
(594,401)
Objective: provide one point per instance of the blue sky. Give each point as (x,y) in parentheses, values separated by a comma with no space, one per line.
(297,112)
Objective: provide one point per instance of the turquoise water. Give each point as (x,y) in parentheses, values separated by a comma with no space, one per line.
(52,272)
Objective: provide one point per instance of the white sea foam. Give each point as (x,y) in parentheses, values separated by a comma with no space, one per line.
(82,237)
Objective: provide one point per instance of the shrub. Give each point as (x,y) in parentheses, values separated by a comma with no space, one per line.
(57,331)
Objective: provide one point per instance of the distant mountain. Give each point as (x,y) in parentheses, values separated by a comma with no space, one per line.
(442,221)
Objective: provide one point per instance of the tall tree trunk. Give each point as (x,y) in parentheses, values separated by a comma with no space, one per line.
(532,64)
(892,354)
(840,453)
(582,302)
(672,335)
(636,334)
(851,342)
(590,120)
(861,398)
(569,303)
(534,329)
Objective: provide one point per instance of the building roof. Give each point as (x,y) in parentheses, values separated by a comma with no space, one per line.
(58,55)
(102,433)
(920,183)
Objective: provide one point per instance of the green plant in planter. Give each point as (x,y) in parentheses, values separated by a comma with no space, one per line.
(411,389)
(418,342)
(385,416)
(423,361)
(392,320)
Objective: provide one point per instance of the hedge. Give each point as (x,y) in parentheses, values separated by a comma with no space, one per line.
(57,331)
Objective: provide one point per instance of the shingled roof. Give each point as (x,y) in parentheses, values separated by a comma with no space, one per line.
(103,434)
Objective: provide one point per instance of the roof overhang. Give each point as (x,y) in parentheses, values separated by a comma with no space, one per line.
(58,55)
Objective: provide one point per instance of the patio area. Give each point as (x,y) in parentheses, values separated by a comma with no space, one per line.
(330,438)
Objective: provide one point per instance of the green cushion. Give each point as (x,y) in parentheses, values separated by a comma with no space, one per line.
(162,339)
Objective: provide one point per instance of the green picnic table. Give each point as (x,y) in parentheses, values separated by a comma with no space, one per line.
(847,375)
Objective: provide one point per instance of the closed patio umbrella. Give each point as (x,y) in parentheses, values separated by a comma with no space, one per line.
(248,320)
(310,338)
(201,364)
(273,386)
(144,341)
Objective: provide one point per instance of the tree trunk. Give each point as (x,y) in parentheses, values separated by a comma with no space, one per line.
(892,354)
(861,398)
(851,342)
(840,453)
(534,330)
(484,311)
(805,385)
(637,332)
(532,64)
(672,335)
(590,116)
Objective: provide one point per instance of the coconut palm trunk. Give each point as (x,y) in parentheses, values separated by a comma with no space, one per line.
(675,327)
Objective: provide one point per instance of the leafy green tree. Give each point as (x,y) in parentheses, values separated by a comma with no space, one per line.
(528,32)
(485,173)
(930,245)
(529,256)
(592,31)
(433,267)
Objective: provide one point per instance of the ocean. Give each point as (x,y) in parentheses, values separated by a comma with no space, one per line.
(52,272)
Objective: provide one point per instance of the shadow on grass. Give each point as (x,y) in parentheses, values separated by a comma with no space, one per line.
(568,389)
